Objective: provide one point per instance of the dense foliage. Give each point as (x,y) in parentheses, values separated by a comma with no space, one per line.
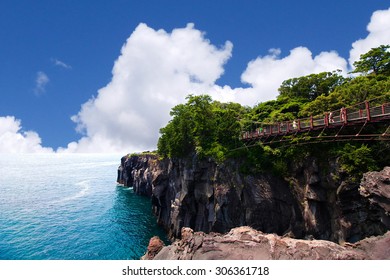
(376,61)
(207,127)
(212,129)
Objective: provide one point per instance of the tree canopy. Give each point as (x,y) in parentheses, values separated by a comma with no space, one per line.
(376,61)
(311,86)
(207,127)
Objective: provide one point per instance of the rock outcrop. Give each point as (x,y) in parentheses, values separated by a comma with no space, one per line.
(332,205)
(375,186)
(154,247)
(245,243)
(316,201)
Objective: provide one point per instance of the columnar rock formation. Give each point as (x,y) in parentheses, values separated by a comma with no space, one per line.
(316,201)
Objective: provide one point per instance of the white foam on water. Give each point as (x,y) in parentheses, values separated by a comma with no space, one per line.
(84,186)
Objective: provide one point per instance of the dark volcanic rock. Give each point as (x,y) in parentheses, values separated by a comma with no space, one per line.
(205,196)
(331,204)
(316,201)
(245,243)
(363,210)
(375,186)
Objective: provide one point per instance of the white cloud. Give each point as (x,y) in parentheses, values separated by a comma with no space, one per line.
(155,71)
(40,83)
(14,140)
(379,34)
(60,63)
(265,74)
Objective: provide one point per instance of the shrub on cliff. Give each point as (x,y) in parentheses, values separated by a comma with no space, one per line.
(356,160)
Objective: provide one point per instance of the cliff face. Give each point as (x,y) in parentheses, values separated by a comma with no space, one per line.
(333,207)
(314,202)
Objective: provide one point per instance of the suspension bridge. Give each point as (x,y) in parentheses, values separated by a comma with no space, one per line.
(344,124)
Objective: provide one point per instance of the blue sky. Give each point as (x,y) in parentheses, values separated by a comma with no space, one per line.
(101,76)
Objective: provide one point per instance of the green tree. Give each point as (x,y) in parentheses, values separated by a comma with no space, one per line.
(352,91)
(311,86)
(176,137)
(355,160)
(201,114)
(376,61)
(261,112)
(227,128)
(202,126)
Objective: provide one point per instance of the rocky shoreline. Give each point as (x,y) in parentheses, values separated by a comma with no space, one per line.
(316,202)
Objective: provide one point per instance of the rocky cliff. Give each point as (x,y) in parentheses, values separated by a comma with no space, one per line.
(316,201)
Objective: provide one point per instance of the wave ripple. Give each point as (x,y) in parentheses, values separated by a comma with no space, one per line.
(67,207)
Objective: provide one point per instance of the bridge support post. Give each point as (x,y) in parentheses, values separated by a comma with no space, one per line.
(326,120)
(368,110)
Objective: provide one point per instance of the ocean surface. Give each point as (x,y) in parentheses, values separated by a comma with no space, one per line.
(69,207)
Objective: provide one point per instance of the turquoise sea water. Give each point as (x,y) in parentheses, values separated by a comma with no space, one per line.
(69,207)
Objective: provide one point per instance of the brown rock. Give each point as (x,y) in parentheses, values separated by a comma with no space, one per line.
(245,243)
(376,248)
(376,187)
(154,247)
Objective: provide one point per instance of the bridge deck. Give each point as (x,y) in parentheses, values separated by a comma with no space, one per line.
(359,114)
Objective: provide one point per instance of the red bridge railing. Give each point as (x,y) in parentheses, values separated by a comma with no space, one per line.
(367,111)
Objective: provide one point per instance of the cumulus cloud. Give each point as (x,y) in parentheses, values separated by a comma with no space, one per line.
(40,83)
(60,63)
(14,140)
(155,71)
(379,34)
(265,74)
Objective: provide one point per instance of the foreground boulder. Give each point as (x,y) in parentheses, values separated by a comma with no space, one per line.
(154,247)
(245,243)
